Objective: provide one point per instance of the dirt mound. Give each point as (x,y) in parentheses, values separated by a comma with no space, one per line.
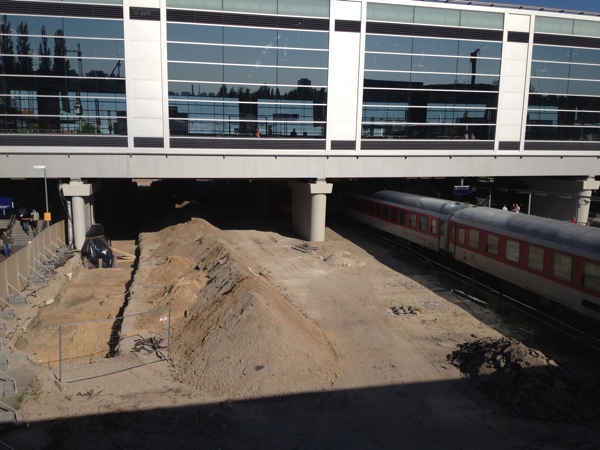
(239,338)
(343,259)
(526,381)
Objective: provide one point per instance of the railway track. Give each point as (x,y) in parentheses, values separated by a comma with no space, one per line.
(462,283)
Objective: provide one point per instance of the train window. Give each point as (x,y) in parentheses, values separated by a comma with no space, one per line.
(434,226)
(376,209)
(591,276)
(413,220)
(394,215)
(562,266)
(385,212)
(423,223)
(474,238)
(461,235)
(491,245)
(403,217)
(513,249)
(535,258)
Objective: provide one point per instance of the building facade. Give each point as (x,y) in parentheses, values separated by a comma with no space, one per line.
(318,89)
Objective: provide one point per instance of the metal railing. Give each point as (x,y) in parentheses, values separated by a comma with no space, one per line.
(29,268)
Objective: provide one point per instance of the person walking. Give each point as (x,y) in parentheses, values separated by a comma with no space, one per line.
(7,240)
(24,219)
(34,217)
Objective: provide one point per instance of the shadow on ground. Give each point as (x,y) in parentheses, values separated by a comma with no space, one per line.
(411,416)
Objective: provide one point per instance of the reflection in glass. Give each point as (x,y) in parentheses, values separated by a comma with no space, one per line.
(415,131)
(429,88)
(240,79)
(62,75)
(274,118)
(564,94)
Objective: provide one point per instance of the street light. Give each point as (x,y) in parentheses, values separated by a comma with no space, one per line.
(47,212)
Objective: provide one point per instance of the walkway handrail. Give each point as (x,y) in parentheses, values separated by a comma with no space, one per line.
(11,223)
(19,272)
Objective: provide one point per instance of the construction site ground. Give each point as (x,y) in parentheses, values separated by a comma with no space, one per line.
(274,344)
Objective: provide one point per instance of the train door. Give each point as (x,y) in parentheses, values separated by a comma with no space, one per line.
(442,233)
(452,238)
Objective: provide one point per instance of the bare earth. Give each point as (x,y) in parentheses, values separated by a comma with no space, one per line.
(274,344)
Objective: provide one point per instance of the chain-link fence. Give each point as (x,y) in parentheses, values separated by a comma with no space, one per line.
(103,347)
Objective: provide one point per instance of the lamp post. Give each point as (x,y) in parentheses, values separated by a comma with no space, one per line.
(47,212)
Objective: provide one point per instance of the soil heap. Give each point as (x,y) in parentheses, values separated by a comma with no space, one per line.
(234,335)
(525,381)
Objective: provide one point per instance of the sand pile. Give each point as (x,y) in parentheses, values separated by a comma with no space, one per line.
(238,338)
(526,381)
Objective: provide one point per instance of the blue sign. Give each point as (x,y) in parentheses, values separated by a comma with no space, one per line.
(462,190)
(6,203)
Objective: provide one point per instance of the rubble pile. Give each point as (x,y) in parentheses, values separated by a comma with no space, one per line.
(526,382)
(403,310)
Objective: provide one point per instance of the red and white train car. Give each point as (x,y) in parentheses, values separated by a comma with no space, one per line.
(556,260)
(418,219)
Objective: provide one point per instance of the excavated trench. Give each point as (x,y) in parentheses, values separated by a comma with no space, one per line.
(115,333)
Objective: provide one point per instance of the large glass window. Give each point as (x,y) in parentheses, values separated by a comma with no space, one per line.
(434,16)
(314,8)
(564,94)
(429,87)
(231,81)
(62,75)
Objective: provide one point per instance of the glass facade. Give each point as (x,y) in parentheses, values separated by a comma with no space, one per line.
(564,94)
(236,80)
(310,8)
(418,84)
(240,68)
(62,75)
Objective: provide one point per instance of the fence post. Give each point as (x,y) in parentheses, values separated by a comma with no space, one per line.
(169,336)
(60,353)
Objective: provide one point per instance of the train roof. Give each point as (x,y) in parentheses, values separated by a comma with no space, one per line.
(432,204)
(545,231)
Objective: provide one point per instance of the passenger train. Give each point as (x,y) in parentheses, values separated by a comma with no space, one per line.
(558,261)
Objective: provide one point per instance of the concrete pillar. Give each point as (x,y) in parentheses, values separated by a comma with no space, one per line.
(81,209)
(309,203)
(584,202)
(79,225)
(69,224)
